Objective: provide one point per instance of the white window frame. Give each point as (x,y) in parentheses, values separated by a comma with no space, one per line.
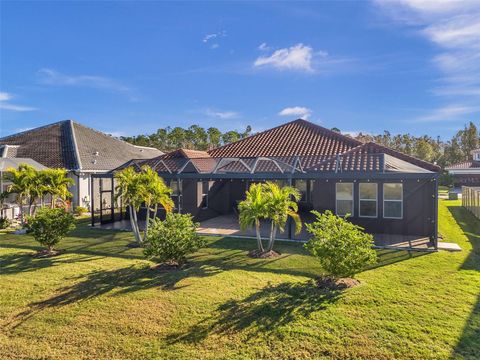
(352,214)
(205,195)
(400,201)
(360,200)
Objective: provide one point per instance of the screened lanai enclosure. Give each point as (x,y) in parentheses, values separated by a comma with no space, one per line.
(382,193)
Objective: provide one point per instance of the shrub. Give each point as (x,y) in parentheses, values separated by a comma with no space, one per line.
(343,248)
(80,210)
(49,226)
(4,223)
(171,240)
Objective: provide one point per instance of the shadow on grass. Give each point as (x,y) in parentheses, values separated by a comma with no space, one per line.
(25,262)
(468,346)
(114,283)
(261,312)
(392,256)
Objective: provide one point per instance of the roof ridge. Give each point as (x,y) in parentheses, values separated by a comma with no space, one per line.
(75,145)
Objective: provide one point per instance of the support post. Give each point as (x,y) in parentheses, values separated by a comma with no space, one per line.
(289,218)
(92,199)
(179,196)
(435,215)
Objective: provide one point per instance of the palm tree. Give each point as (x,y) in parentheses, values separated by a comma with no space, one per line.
(55,183)
(154,192)
(24,185)
(281,203)
(128,188)
(252,210)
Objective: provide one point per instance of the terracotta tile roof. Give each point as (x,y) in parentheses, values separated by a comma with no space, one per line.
(73,146)
(317,148)
(295,138)
(466,165)
(367,157)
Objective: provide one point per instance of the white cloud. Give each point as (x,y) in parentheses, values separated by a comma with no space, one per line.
(298,57)
(4,97)
(449,113)
(214,36)
(221,114)
(53,77)
(454,26)
(300,111)
(263,47)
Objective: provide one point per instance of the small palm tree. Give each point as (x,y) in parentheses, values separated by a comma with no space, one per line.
(154,192)
(252,210)
(269,202)
(24,185)
(144,187)
(281,204)
(129,189)
(55,182)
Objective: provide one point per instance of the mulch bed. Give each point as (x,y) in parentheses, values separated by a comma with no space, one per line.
(330,283)
(133,245)
(256,254)
(171,266)
(41,254)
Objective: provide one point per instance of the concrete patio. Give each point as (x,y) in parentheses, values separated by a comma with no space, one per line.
(227,225)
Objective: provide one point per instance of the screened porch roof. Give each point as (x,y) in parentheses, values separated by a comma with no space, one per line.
(279,165)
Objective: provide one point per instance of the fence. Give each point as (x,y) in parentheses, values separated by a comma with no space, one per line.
(471,199)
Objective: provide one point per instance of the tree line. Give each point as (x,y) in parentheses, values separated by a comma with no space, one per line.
(194,137)
(425,147)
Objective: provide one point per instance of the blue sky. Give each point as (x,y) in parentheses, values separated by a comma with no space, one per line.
(131,67)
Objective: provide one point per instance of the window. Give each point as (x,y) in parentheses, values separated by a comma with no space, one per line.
(301,186)
(393,201)
(344,199)
(205,188)
(367,193)
(175,193)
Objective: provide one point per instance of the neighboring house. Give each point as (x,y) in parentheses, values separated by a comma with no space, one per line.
(9,207)
(466,173)
(81,150)
(385,191)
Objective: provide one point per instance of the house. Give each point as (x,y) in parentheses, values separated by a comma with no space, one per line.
(466,173)
(79,149)
(384,191)
(9,208)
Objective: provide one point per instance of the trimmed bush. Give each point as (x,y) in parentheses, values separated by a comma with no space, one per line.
(342,248)
(81,210)
(49,226)
(171,240)
(4,223)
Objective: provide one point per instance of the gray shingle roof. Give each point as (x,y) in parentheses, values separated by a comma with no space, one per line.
(73,146)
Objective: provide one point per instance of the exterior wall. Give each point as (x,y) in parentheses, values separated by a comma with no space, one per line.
(81,189)
(222,197)
(466,180)
(418,207)
(418,203)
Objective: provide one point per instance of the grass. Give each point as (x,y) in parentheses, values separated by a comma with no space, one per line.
(102,300)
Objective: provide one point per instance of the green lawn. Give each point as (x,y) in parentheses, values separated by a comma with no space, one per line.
(102,300)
